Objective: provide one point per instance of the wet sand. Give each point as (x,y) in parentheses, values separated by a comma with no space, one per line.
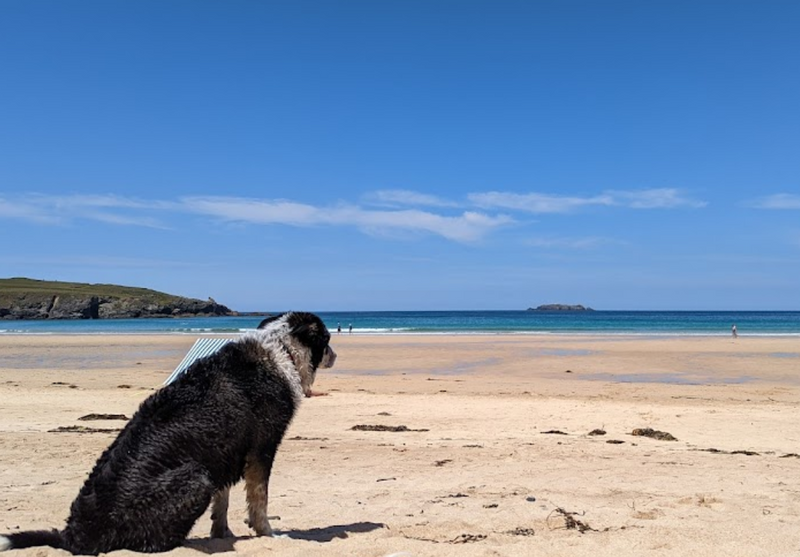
(476,445)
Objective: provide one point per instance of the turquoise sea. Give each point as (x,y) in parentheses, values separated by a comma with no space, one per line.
(649,323)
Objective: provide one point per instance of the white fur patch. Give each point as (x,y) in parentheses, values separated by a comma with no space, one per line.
(276,339)
(5,543)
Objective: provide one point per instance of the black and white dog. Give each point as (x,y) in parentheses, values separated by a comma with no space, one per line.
(220,421)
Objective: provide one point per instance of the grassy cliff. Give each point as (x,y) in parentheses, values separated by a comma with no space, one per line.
(25,298)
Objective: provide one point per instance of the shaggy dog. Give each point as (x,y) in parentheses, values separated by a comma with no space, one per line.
(220,421)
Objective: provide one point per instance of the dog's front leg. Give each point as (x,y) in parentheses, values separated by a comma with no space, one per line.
(256,477)
(219,514)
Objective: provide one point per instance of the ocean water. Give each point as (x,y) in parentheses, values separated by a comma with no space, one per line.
(648,323)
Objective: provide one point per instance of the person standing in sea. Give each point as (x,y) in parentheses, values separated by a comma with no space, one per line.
(733,331)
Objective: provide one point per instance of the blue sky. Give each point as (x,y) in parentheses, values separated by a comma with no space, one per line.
(406,155)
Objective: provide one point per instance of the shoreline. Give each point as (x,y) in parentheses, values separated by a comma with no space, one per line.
(614,323)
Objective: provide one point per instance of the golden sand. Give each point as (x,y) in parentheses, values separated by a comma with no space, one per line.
(483,444)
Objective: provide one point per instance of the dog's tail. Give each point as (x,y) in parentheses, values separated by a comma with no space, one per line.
(32,538)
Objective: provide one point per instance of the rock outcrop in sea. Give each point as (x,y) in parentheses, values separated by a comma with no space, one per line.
(560,307)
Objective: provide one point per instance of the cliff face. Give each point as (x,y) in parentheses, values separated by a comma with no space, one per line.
(94,307)
(108,302)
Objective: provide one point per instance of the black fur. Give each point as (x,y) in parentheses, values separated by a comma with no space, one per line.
(186,442)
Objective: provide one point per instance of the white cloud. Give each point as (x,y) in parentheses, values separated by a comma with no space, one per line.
(467,227)
(23,210)
(777,201)
(658,198)
(124,220)
(407,197)
(459,226)
(106,201)
(115,210)
(536,202)
(255,210)
(661,198)
(53,210)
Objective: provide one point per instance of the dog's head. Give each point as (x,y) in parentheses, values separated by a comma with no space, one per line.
(307,339)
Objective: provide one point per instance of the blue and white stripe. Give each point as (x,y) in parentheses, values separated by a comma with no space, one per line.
(202,347)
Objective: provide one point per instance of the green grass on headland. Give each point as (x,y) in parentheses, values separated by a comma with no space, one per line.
(25,286)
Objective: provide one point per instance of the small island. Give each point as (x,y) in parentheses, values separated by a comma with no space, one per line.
(560,307)
(25,298)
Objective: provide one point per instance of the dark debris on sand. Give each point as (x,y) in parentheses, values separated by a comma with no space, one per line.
(520,531)
(653,434)
(90,417)
(84,429)
(468,538)
(570,522)
(396,428)
(719,451)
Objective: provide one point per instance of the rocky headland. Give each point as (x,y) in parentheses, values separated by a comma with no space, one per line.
(23,298)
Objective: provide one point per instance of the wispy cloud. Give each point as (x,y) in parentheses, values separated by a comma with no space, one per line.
(108,201)
(24,210)
(660,198)
(111,209)
(536,202)
(394,198)
(788,201)
(466,227)
(397,213)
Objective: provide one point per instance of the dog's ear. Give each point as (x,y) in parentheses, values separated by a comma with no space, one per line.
(309,329)
(305,329)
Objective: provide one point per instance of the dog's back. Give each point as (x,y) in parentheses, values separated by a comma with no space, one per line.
(186,441)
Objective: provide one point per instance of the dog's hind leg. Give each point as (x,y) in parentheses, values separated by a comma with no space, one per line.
(166,510)
(219,514)
(256,477)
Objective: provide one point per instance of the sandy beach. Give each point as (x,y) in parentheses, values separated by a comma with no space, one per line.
(496,448)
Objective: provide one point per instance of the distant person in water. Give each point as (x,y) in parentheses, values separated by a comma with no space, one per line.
(338,328)
(733,331)
(350,329)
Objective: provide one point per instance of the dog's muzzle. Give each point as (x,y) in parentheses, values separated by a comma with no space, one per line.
(328,358)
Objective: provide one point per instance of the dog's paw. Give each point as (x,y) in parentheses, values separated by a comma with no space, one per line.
(221,532)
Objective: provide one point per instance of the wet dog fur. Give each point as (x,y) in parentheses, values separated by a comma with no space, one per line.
(220,421)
